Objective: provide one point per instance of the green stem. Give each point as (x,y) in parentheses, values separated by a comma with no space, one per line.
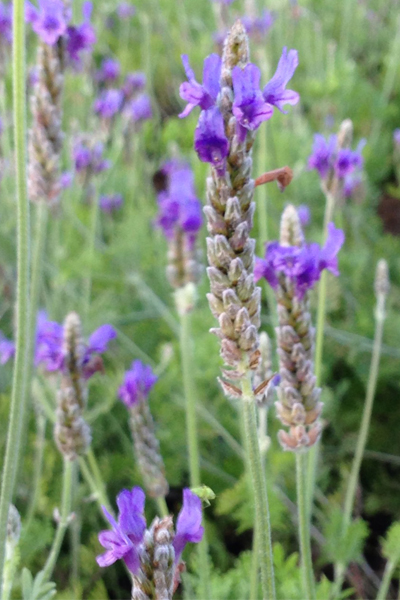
(255,555)
(192,438)
(41,422)
(18,395)
(304,527)
(387,577)
(162,506)
(259,488)
(63,522)
(100,485)
(90,480)
(364,428)
(92,246)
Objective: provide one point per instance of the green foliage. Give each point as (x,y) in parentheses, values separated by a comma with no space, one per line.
(38,588)
(391,543)
(343,548)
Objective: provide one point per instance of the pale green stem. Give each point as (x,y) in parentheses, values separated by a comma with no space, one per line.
(18,396)
(92,247)
(90,480)
(255,555)
(101,487)
(364,430)
(387,577)
(304,527)
(319,345)
(162,507)
(192,437)
(75,529)
(41,422)
(259,488)
(63,520)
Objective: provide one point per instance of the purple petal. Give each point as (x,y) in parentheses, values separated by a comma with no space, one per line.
(100,339)
(188,525)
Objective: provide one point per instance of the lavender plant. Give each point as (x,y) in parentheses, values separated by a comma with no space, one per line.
(233,107)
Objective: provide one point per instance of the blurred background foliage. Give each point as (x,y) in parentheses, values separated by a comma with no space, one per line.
(348,68)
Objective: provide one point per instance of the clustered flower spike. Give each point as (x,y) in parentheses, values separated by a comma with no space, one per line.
(180,218)
(336,163)
(302,265)
(109,103)
(109,71)
(251,106)
(292,267)
(258,27)
(152,555)
(110,203)
(50,348)
(81,38)
(6,23)
(134,391)
(137,385)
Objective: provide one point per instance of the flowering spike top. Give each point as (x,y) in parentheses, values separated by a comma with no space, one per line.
(334,161)
(138,382)
(109,103)
(49,20)
(50,351)
(139,108)
(109,71)
(81,37)
(323,153)
(188,524)
(196,94)
(303,264)
(249,106)
(275,92)
(125,538)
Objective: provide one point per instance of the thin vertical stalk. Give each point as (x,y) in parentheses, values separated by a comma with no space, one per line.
(259,489)
(364,429)
(304,527)
(387,577)
(18,395)
(101,487)
(162,506)
(63,522)
(41,422)
(92,245)
(101,498)
(192,438)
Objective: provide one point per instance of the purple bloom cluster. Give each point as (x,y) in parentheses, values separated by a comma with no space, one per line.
(50,21)
(251,106)
(139,108)
(396,138)
(301,265)
(109,103)
(125,539)
(327,158)
(110,203)
(137,384)
(87,157)
(304,214)
(178,205)
(49,350)
(109,71)
(258,27)
(134,83)
(125,10)
(6,23)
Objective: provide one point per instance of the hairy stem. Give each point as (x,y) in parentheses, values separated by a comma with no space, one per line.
(304,527)
(259,489)
(192,438)
(387,577)
(18,395)
(63,520)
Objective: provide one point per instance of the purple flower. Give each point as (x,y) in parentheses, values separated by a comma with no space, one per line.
(396,138)
(66,179)
(81,37)
(109,103)
(304,214)
(49,350)
(301,265)
(249,106)
(210,141)
(7,349)
(188,524)
(225,2)
(323,154)
(134,82)
(125,538)
(49,21)
(140,109)
(258,26)
(125,10)
(350,184)
(109,71)
(178,205)
(86,157)
(110,203)
(201,95)
(275,92)
(347,160)
(5,23)
(137,384)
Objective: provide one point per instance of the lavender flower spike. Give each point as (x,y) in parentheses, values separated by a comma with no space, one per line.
(81,37)
(210,141)
(249,106)
(275,92)
(201,95)
(49,21)
(138,382)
